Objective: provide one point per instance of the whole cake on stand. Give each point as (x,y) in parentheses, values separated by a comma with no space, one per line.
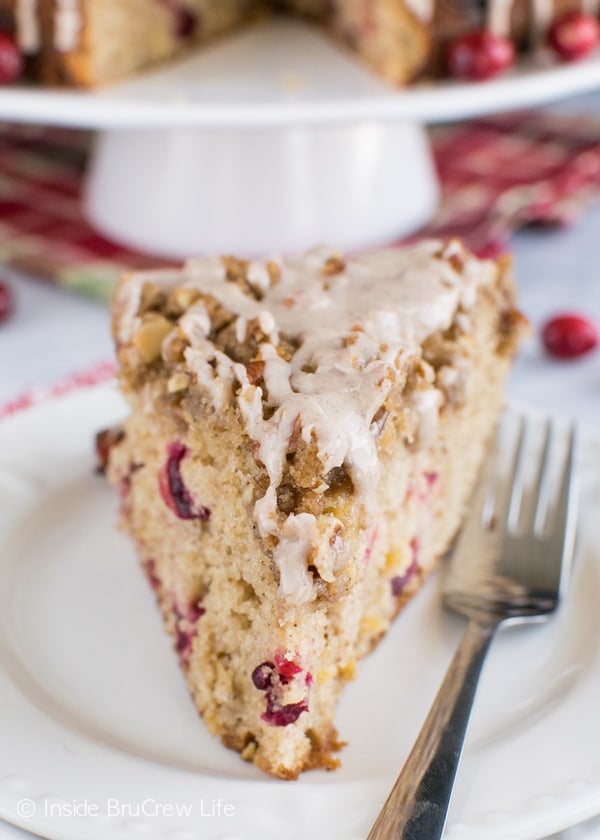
(274,137)
(91,42)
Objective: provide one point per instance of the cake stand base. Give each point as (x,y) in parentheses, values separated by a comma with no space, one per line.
(179,191)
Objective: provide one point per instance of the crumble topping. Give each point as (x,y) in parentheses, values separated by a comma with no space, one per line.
(307,349)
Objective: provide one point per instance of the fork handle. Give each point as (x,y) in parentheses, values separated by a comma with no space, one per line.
(418,803)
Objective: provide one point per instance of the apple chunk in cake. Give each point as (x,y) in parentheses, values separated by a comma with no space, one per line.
(303,438)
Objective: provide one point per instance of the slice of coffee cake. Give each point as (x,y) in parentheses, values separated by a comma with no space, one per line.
(303,437)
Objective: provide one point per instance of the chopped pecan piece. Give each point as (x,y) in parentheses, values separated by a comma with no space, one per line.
(333,266)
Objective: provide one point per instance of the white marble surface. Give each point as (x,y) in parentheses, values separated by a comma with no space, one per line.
(53,334)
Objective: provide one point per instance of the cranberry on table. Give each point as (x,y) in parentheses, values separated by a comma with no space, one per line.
(574,35)
(11,60)
(479,55)
(6,302)
(569,335)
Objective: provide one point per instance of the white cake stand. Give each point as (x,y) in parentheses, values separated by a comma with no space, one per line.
(272,140)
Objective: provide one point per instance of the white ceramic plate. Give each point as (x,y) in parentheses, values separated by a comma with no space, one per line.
(95,718)
(285,72)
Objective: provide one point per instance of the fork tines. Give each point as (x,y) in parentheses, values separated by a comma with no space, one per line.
(532,500)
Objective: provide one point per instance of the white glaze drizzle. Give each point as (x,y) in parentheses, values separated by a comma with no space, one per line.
(67,24)
(355,332)
(499,13)
(422,9)
(27,25)
(499,16)
(427,404)
(542,17)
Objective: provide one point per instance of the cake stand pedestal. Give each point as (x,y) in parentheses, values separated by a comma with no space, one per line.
(184,190)
(273,140)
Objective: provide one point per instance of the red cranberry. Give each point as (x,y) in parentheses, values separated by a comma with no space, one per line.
(431,479)
(186,629)
(570,335)
(153,578)
(370,544)
(11,60)
(286,668)
(284,715)
(195,612)
(262,676)
(183,641)
(479,55)
(185,20)
(172,489)
(186,23)
(269,677)
(574,35)
(400,582)
(6,302)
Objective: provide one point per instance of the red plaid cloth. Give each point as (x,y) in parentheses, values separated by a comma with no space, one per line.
(42,229)
(496,175)
(499,175)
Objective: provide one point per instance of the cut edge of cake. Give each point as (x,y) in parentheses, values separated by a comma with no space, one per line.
(303,440)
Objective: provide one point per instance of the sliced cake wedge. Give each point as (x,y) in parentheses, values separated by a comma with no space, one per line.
(303,438)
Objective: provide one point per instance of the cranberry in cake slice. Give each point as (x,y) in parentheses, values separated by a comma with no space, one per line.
(303,437)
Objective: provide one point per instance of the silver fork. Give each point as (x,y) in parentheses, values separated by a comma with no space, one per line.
(510,565)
